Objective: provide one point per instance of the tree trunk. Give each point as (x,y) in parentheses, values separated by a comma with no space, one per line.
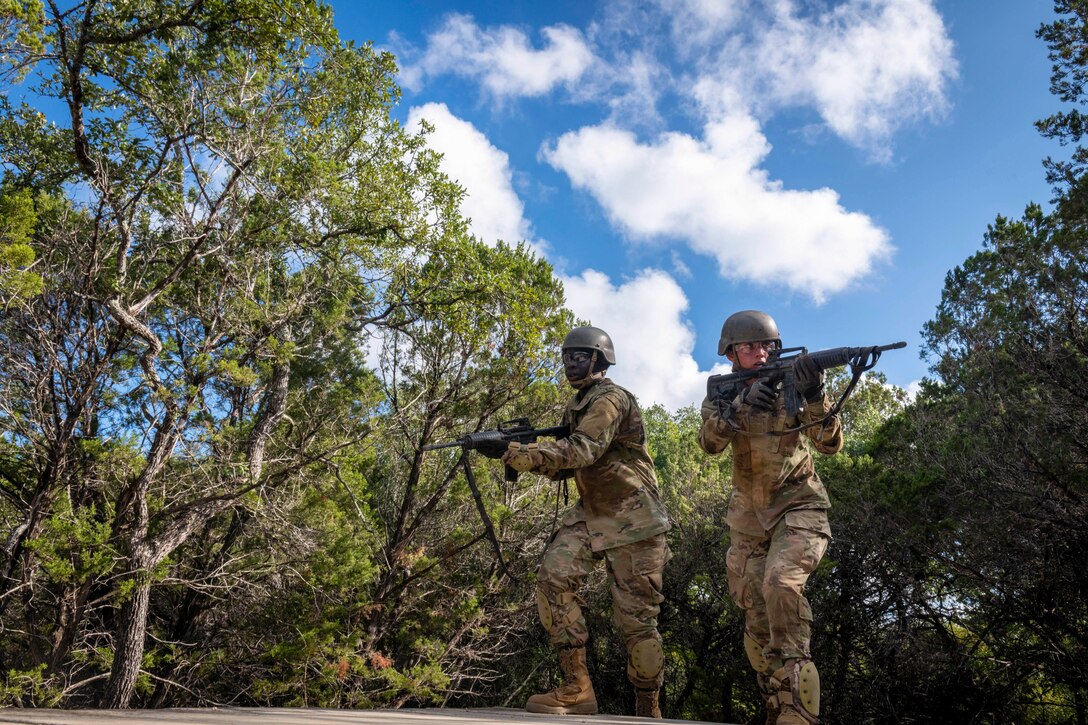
(727,699)
(69,615)
(129,644)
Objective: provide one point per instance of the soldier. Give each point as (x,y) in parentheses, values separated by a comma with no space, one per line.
(619,518)
(777,516)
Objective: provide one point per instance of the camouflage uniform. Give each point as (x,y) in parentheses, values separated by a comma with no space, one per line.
(777,520)
(619,518)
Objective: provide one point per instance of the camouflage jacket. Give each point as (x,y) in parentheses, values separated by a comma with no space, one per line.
(772,474)
(606,452)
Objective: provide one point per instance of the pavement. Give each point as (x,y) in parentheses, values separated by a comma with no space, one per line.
(305,716)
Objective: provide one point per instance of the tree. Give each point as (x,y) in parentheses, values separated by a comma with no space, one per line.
(1068,44)
(238,214)
(1010,343)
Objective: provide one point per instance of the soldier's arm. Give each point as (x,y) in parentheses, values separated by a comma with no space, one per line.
(715,435)
(591,438)
(826,437)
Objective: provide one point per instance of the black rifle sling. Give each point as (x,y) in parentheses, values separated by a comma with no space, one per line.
(471,478)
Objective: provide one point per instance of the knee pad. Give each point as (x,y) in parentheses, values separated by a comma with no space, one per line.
(754,650)
(646,659)
(544,610)
(799,686)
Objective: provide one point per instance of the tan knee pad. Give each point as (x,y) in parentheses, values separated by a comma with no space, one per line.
(800,687)
(754,650)
(647,659)
(544,610)
(806,688)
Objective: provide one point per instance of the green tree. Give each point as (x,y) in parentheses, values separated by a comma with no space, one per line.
(240,219)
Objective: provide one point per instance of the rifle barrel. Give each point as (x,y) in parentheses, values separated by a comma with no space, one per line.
(436,446)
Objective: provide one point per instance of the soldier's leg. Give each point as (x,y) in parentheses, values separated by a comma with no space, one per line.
(746,563)
(567,560)
(635,577)
(798,544)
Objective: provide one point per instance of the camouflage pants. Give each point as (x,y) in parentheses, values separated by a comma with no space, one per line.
(634,578)
(767,576)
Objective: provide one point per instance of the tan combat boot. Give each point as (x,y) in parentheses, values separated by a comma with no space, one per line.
(646,703)
(573,697)
(790,716)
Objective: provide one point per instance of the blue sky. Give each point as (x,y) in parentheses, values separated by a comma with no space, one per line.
(827,162)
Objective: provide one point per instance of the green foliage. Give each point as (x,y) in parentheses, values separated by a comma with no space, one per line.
(29,688)
(74,545)
(17,220)
(1068,44)
(21,28)
(869,407)
(700,625)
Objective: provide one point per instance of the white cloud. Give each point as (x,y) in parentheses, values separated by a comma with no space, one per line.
(697,22)
(868,67)
(654,344)
(502,59)
(712,194)
(631,87)
(484,172)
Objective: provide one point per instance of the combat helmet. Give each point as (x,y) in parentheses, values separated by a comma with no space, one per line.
(591,338)
(747,326)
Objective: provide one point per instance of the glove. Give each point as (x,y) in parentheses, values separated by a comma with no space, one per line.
(719,426)
(523,457)
(760,395)
(808,379)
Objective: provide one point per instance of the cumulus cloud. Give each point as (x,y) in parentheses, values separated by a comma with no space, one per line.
(644,316)
(866,66)
(712,194)
(481,169)
(503,60)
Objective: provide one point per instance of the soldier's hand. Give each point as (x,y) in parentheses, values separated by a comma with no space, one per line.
(720,427)
(760,395)
(808,379)
(523,456)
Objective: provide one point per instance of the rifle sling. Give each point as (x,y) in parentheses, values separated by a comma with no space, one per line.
(471,478)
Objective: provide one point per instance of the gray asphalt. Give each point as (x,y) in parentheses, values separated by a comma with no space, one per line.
(305,716)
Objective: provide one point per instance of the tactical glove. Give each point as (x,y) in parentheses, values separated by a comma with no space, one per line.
(523,457)
(808,378)
(760,395)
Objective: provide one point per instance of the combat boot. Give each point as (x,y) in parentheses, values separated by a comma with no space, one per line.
(790,716)
(573,697)
(646,703)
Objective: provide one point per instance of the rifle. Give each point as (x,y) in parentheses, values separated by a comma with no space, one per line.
(778,372)
(493,443)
